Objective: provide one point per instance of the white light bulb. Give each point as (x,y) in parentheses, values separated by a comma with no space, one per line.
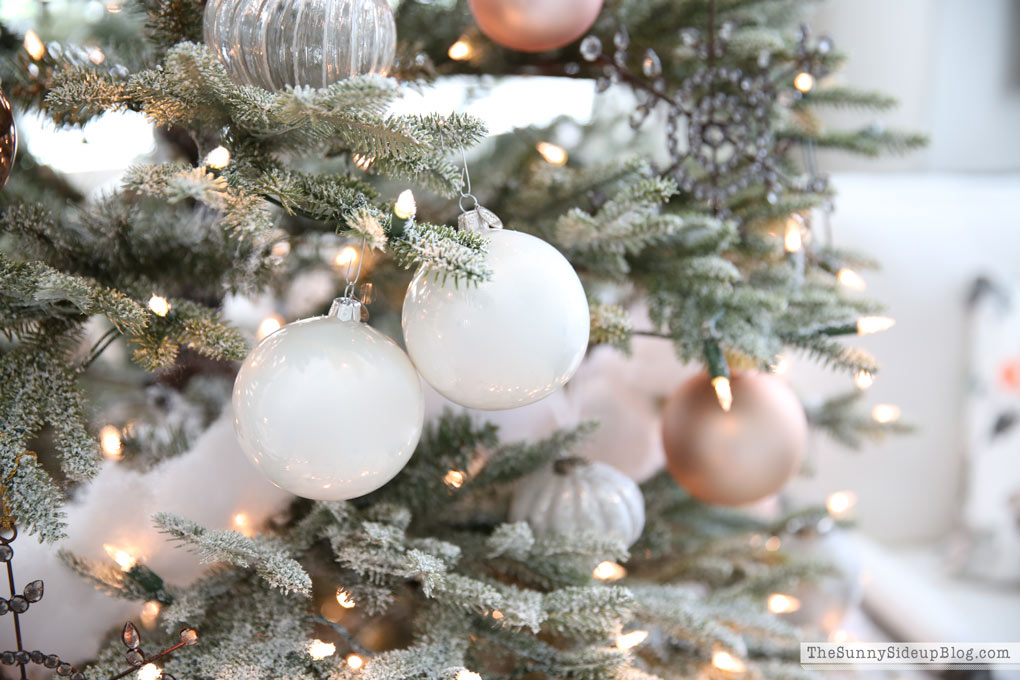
(317,649)
(159,305)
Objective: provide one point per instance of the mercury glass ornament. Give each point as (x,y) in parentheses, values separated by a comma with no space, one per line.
(314,43)
(328,408)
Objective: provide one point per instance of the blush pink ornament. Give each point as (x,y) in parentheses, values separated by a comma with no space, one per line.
(535,25)
(736,457)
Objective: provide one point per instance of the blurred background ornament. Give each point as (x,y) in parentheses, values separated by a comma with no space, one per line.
(505,342)
(328,408)
(8,138)
(535,25)
(738,456)
(573,495)
(314,43)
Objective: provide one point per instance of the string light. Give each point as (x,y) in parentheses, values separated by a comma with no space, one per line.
(866,325)
(149,671)
(109,441)
(347,255)
(317,649)
(96,55)
(725,661)
(804,81)
(460,50)
(159,305)
(553,154)
(361,161)
(269,325)
(840,503)
(783,604)
(609,571)
(782,365)
(405,207)
(465,674)
(355,662)
(218,158)
(34,46)
(125,560)
(497,615)
(863,380)
(723,392)
(630,640)
(773,543)
(113,6)
(242,524)
(280,249)
(885,413)
(454,479)
(150,612)
(344,599)
(848,278)
(793,239)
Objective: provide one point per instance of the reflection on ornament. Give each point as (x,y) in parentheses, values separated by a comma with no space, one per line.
(362,162)
(317,649)
(534,26)
(312,43)
(505,342)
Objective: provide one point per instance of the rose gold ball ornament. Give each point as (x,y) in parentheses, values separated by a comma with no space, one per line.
(8,139)
(535,25)
(736,457)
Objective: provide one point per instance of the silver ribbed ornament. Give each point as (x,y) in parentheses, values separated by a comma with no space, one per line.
(276,43)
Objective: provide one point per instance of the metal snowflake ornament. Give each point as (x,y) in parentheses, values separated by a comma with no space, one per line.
(19,603)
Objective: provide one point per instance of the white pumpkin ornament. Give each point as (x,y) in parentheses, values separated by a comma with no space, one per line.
(572,495)
(505,342)
(328,408)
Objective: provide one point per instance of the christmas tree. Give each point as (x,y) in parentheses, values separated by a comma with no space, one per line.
(480,554)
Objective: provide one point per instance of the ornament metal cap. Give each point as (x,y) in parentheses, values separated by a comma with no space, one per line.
(346,309)
(479,218)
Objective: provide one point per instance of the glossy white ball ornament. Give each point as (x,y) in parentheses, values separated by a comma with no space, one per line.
(328,408)
(573,495)
(506,342)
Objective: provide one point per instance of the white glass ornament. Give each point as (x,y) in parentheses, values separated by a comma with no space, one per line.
(574,495)
(328,408)
(505,342)
(275,43)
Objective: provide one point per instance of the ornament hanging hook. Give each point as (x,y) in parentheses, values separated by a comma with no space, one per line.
(466,189)
(351,283)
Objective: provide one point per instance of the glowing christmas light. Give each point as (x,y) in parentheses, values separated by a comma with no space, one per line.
(344,599)
(609,571)
(840,502)
(280,249)
(465,674)
(149,671)
(863,380)
(793,239)
(362,162)
(354,662)
(782,365)
(125,560)
(866,325)
(347,255)
(317,649)
(630,640)
(34,46)
(460,50)
(159,305)
(109,441)
(783,604)
(496,614)
(848,278)
(96,55)
(218,158)
(723,392)
(454,479)
(553,154)
(405,206)
(150,612)
(885,413)
(773,543)
(725,661)
(269,325)
(804,81)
